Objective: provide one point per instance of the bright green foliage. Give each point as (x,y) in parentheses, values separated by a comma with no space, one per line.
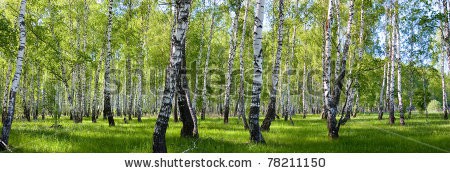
(434,106)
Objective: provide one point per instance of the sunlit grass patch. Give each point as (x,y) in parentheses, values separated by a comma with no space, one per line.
(364,133)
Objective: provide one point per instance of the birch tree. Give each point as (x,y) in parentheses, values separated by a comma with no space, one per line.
(128,92)
(95,102)
(107,90)
(360,56)
(444,93)
(271,111)
(446,35)
(393,51)
(178,37)
(16,79)
(381,102)
(205,71)
(197,64)
(241,99)
(233,42)
(332,100)
(399,63)
(255,131)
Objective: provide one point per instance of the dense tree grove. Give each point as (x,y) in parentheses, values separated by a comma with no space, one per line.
(255,59)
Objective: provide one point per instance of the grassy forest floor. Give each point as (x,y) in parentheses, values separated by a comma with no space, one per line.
(361,134)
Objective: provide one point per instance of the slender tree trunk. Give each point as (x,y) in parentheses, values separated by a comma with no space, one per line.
(356,104)
(399,62)
(23,89)
(325,47)
(446,34)
(388,83)
(128,92)
(95,109)
(331,121)
(255,131)
(392,52)
(140,72)
(304,88)
(232,53)
(337,9)
(360,56)
(288,72)
(107,91)
(241,97)
(178,38)
(425,92)
(444,93)
(5,92)
(381,103)
(205,72)
(350,91)
(16,79)
(197,64)
(36,104)
(271,112)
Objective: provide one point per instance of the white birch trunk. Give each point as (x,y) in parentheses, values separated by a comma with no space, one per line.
(241,97)
(178,37)
(16,79)
(255,131)
(232,53)
(205,72)
(107,90)
(271,112)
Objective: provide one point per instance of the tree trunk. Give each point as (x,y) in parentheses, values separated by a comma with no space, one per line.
(241,97)
(360,56)
(26,108)
(381,103)
(95,109)
(36,104)
(332,101)
(232,53)
(255,131)
(288,71)
(388,82)
(444,93)
(187,115)
(399,62)
(331,121)
(304,88)
(271,112)
(392,54)
(16,79)
(140,72)
(5,92)
(205,72)
(446,34)
(337,9)
(107,91)
(350,91)
(178,38)
(128,92)
(197,63)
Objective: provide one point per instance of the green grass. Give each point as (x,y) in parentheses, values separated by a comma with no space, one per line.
(362,134)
